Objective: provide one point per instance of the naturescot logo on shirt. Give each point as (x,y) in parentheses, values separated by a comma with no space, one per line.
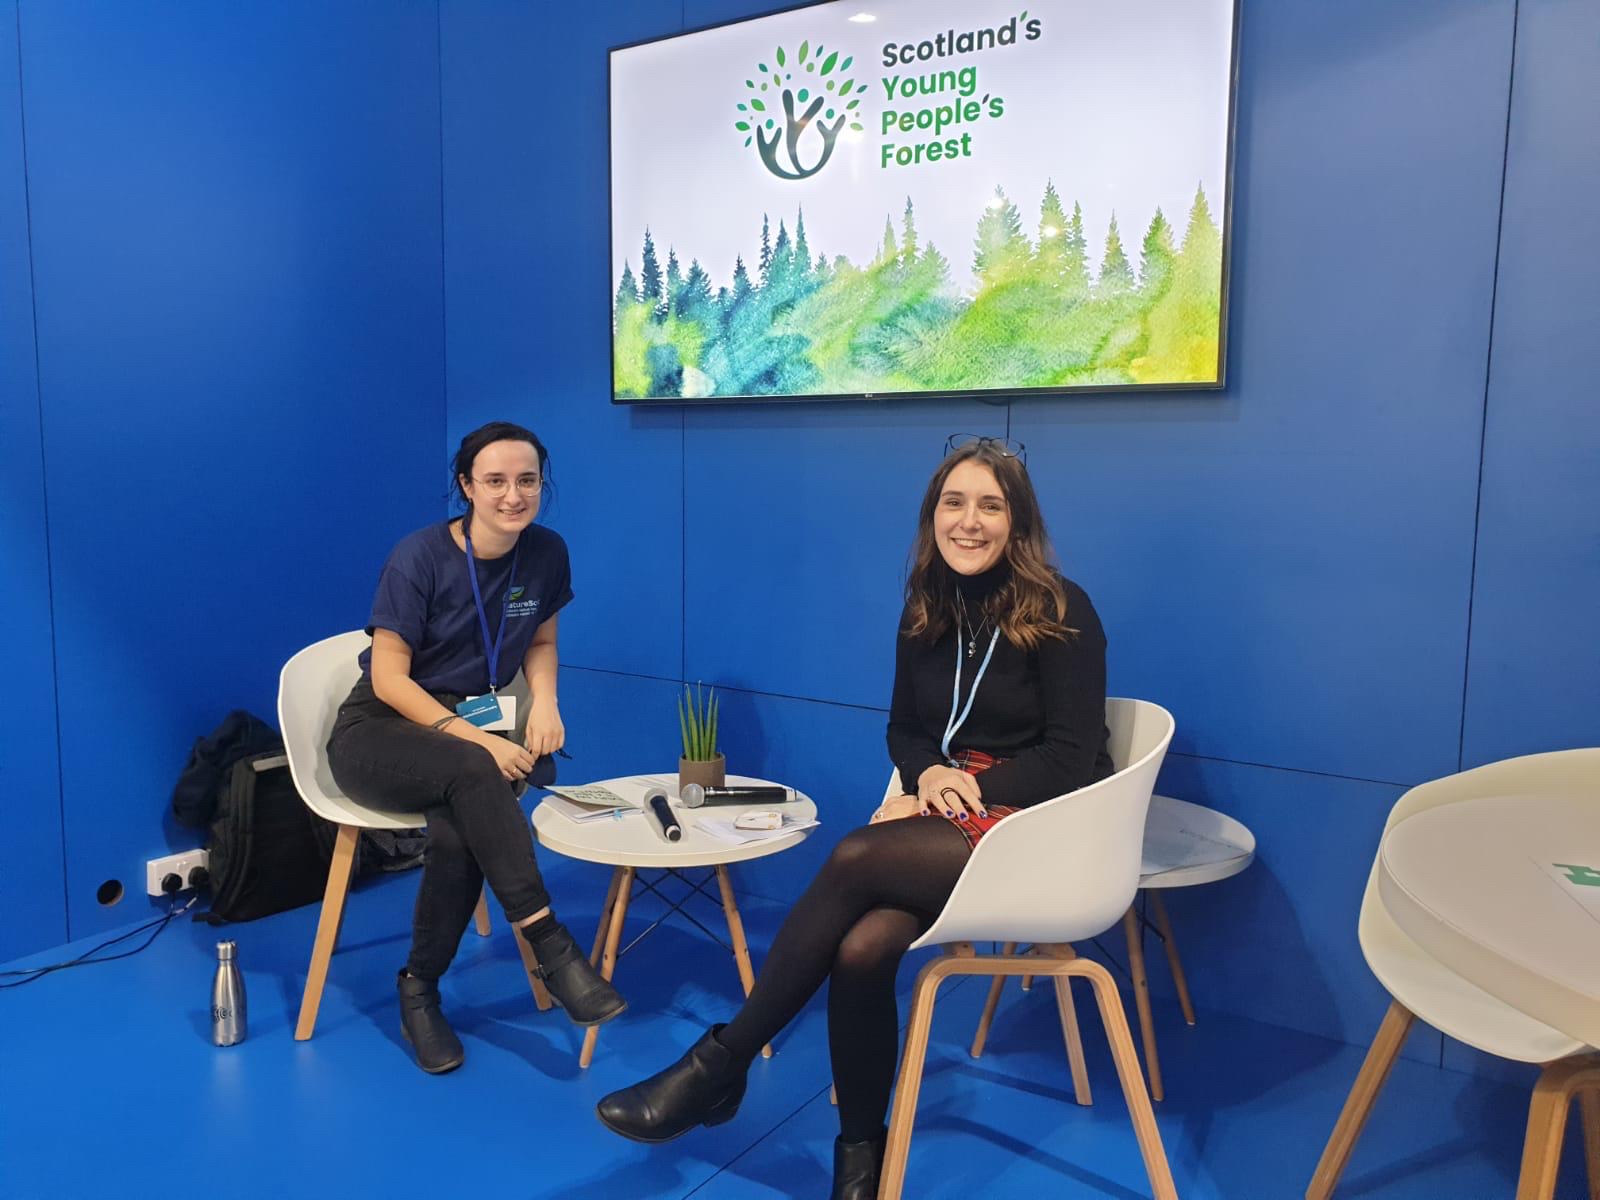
(516,606)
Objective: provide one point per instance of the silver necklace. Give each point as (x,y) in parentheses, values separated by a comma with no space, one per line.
(966,626)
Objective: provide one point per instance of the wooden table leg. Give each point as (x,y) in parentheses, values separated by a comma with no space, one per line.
(605,917)
(480,915)
(332,917)
(1164,927)
(741,949)
(608,962)
(1141,997)
(981,1036)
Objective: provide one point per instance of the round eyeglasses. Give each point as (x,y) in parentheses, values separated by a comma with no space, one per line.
(495,486)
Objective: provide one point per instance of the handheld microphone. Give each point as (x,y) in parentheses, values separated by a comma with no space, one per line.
(656,802)
(694,796)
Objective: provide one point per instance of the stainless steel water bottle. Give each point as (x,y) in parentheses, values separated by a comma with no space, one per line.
(227,999)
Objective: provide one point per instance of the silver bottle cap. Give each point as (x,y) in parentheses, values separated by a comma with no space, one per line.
(225,951)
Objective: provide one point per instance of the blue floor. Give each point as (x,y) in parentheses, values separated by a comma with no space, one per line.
(109,1086)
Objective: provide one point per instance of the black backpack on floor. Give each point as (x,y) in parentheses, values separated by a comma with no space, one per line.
(268,851)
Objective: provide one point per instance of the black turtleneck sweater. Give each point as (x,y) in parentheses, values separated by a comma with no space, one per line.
(1042,710)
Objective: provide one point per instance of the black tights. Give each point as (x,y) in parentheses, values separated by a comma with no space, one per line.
(882,886)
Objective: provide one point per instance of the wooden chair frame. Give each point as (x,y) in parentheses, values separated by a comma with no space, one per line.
(1560,1081)
(1059,963)
(340,872)
(1132,929)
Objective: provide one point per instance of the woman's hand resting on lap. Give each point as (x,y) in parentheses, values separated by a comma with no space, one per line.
(950,791)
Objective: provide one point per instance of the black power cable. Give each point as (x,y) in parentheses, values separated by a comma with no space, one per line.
(87,959)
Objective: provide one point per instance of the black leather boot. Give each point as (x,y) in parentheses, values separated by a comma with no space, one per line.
(703,1087)
(855,1168)
(585,994)
(423,1025)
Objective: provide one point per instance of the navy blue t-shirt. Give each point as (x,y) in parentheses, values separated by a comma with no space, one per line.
(425,596)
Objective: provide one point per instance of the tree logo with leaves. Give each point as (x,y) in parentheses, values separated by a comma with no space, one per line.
(812,91)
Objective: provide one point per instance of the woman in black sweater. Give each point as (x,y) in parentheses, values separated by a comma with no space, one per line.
(999,703)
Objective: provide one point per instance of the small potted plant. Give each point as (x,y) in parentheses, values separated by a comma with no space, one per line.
(702,762)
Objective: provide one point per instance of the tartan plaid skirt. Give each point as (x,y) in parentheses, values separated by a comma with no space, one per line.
(975,762)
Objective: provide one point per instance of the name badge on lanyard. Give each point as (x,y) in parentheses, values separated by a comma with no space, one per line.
(491,712)
(955,722)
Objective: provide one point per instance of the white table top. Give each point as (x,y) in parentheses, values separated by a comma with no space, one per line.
(635,840)
(1476,885)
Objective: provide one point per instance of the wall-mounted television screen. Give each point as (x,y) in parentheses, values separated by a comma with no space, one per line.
(887,198)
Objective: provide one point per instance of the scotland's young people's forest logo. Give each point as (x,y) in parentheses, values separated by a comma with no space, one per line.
(804,91)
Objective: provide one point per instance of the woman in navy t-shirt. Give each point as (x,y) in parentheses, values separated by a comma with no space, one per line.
(460,607)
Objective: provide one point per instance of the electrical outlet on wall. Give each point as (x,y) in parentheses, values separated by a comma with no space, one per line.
(180,865)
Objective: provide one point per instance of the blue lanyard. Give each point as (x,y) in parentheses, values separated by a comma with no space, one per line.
(492,650)
(955,722)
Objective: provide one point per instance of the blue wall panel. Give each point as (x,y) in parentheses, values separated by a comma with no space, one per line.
(30,784)
(1286,564)
(527,298)
(1535,669)
(797,525)
(237,242)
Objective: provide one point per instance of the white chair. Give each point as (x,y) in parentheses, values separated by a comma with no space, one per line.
(1184,845)
(311,687)
(1054,874)
(1423,987)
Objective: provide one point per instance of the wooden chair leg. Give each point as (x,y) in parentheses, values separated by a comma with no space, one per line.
(1069,1030)
(608,961)
(340,871)
(1127,1061)
(1164,927)
(480,915)
(741,948)
(1141,999)
(1589,1104)
(1547,1124)
(1380,1058)
(833,1095)
(903,1114)
(981,1036)
(530,965)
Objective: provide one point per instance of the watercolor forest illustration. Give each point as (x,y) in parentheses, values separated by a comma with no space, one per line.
(1046,311)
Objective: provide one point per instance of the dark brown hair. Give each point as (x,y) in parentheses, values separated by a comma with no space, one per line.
(485,435)
(1031,605)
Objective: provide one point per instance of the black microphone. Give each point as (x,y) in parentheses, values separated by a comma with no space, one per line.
(693,795)
(656,801)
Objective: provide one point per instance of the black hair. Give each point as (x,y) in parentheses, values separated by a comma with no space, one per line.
(496,431)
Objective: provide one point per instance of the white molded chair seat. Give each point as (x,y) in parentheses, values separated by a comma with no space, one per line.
(311,687)
(1422,987)
(1053,874)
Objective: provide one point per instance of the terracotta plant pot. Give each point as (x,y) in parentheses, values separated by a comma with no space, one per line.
(708,773)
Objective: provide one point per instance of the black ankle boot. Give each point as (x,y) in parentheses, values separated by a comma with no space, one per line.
(703,1087)
(585,994)
(855,1168)
(423,1025)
